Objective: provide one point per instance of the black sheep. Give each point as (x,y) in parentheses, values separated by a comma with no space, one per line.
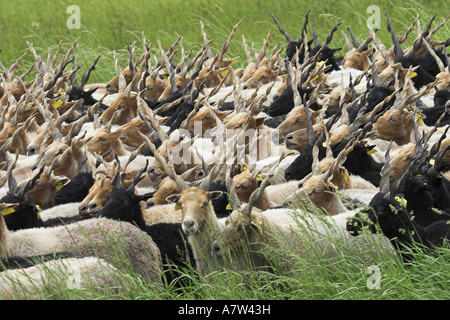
(77,188)
(388,211)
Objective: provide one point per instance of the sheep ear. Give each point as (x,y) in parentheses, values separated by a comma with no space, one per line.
(174,198)
(214,195)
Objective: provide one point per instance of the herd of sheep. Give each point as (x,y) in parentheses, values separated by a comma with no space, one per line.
(184,161)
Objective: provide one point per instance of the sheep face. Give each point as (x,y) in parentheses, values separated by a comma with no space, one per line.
(394,125)
(45,188)
(295,120)
(319,192)
(263,75)
(103,140)
(238,231)
(207,121)
(245,183)
(389,216)
(301,166)
(196,208)
(155,86)
(76,189)
(129,133)
(444,81)
(97,196)
(113,85)
(126,106)
(25,214)
(357,60)
(166,188)
(298,139)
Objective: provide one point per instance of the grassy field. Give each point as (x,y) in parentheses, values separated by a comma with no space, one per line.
(108,25)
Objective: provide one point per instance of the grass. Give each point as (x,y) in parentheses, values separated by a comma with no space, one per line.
(340,275)
(108,25)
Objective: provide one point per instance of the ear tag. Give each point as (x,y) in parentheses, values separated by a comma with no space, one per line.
(228,207)
(244,168)
(234,62)
(7,211)
(412,75)
(320,63)
(224,73)
(57,104)
(324,144)
(60,91)
(59,185)
(177,207)
(420,118)
(313,79)
(259,177)
(371,151)
(432,162)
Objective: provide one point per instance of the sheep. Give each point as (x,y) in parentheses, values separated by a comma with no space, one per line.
(248,231)
(388,211)
(89,237)
(74,273)
(124,205)
(198,218)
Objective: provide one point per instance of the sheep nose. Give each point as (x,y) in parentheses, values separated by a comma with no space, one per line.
(287,175)
(92,205)
(31,151)
(189,223)
(149,204)
(82,210)
(289,137)
(216,250)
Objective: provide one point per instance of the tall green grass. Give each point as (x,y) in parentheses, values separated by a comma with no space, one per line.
(108,25)
(340,274)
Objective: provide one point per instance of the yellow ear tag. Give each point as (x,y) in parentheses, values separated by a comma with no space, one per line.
(371,151)
(60,91)
(59,185)
(313,79)
(8,211)
(320,63)
(244,168)
(224,73)
(412,75)
(259,177)
(177,207)
(420,118)
(432,162)
(57,104)
(228,207)
(234,62)
(324,144)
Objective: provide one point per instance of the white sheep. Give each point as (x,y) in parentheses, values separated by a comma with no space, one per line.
(101,237)
(73,273)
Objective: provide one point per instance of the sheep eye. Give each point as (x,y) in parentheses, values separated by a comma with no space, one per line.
(300,120)
(393,118)
(102,139)
(204,203)
(316,191)
(241,228)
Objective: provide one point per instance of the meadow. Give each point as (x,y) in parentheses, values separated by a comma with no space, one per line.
(108,25)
